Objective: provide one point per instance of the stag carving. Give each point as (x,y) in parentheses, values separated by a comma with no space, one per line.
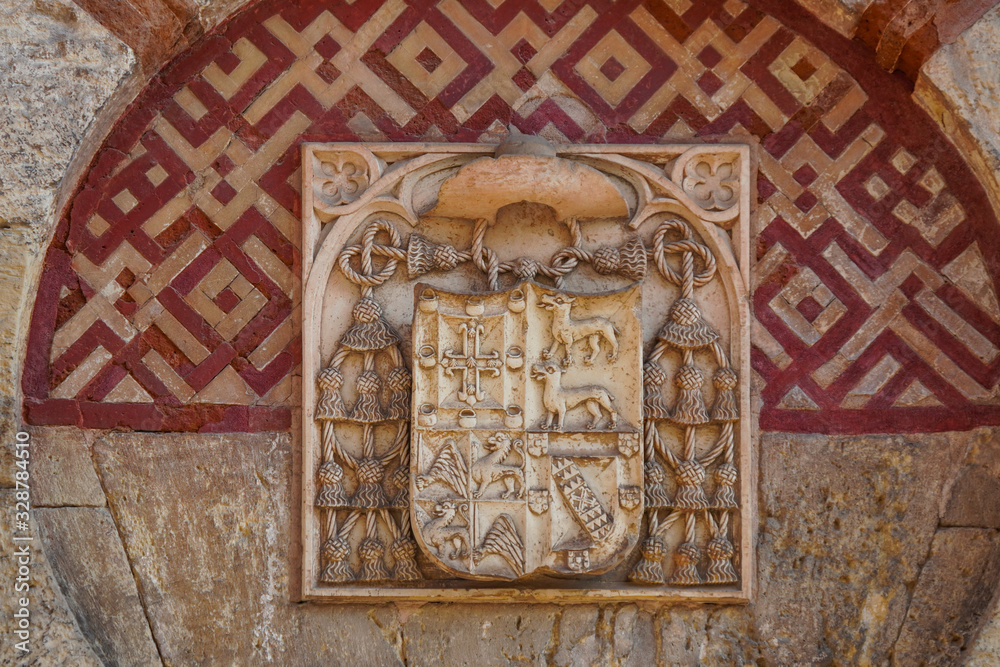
(566,331)
(558,399)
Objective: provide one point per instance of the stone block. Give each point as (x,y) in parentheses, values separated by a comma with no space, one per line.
(975,499)
(579,640)
(87,558)
(986,650)
(57,69)
(55,637)
(479,635)
(207,525)
(985,451)
(62,470)
(155,29)
(952,596)
(846,523)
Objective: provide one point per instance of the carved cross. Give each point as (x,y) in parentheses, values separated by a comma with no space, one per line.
(471,363)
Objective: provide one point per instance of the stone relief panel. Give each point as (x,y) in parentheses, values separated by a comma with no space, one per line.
(526,364)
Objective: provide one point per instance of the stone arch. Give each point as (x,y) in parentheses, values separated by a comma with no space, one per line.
(869,202)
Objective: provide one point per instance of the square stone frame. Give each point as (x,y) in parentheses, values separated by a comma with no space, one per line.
(574,591)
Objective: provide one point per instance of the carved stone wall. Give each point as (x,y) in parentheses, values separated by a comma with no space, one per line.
(871,547)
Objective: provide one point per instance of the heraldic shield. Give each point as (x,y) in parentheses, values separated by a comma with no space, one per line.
(527,410)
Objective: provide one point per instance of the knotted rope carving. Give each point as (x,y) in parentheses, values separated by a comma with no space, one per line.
(686,331)
(424,256)
(368,265)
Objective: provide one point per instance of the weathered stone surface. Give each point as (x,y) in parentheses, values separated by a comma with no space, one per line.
(155,29)
(975,499)
(213,12)
(845,525)
(21,253)
(465,635)
(62,470)
(207,523)
(86,556)
(8,430)
(55,637)
(579,640)
(985,451)
(710,635)
(956,586)
(960,86)
(986,651)
(57,68)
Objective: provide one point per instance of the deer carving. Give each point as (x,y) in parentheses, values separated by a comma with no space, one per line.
(566,331)
(558,399)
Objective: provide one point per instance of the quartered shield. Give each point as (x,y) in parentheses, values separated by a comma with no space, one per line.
(527,410)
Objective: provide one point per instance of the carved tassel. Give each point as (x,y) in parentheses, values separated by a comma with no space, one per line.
(335,553)
(725,408)
(331,403)
(401,480)
(371,551)
(690,494)
(653,378)
(685,327)
(629,261)
(369,332)
(649,570)
(686,565)
(720,567)
(632,259)
(367,409)
(331,491)
(403,552)
(690,408)
(398,383)
(423,256)
(725,479)
(656,496)
(370,493)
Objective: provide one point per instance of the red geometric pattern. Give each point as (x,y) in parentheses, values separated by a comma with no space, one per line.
(171,286)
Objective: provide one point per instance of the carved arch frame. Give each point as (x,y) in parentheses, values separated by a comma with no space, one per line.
(391,181)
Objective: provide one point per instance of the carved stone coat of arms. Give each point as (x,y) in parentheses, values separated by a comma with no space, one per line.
(527,440)
(526,364)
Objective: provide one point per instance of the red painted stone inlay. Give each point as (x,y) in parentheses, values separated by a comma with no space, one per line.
(612,68)
(809,308)
(811,241)
(709,57)
(804,69)
(429,60)
(709,82)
